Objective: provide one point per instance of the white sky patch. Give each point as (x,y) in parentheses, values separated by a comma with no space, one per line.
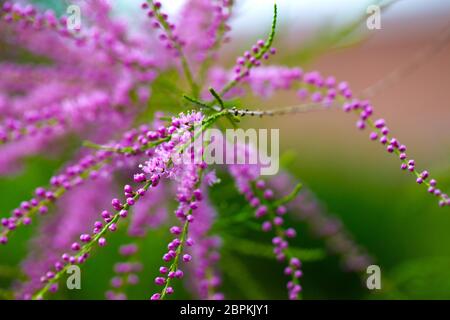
(253,16)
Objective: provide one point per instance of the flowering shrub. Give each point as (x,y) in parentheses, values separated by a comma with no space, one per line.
(100,81)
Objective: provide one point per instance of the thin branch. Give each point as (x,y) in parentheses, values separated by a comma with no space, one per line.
(301,108)
(259,55)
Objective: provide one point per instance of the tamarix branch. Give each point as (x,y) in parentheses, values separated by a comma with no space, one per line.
(145,110)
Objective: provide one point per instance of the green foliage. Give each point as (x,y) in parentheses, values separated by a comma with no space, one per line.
(165,95)
(258,249)
(426,278)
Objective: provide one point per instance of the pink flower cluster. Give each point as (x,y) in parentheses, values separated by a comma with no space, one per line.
(99,83)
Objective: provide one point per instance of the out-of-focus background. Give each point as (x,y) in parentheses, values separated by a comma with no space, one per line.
(394,218)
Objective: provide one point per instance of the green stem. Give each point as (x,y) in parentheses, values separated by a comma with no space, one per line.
(179,251)
(248,65)
(184,63)
(217,97)
(279,231)
(197,102)
(87,247)
(125,150)
(290,196)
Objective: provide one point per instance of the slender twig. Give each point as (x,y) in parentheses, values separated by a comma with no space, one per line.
(184,62)
(174,266)
(217,97)
(258,56)
(300,108)
(197,102)
(88,247)
(290,196)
